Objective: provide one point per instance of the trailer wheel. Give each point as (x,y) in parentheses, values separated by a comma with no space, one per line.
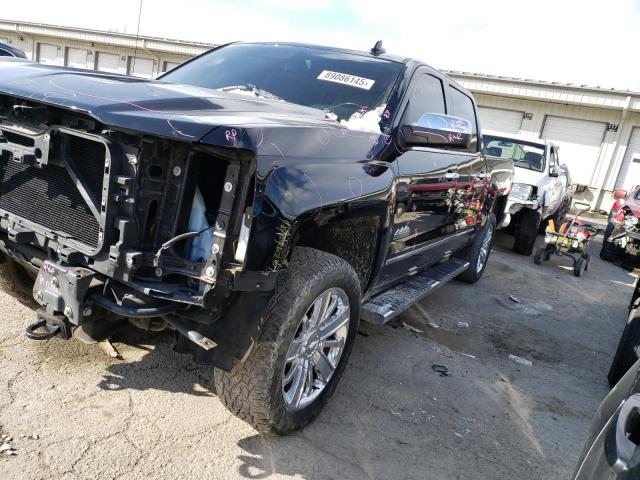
(305,343)
(578,266)
(627,351)
(539,256)
(527,231)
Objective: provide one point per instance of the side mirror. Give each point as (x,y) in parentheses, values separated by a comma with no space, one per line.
(554,172)
(620,194)
(438,130)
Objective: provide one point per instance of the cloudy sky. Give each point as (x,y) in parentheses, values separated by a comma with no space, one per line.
(579,41)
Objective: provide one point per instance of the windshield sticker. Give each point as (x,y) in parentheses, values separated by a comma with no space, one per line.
(346,79)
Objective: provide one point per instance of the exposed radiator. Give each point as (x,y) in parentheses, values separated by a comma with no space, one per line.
(48,196)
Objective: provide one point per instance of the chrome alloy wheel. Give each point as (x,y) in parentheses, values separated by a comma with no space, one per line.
(485,248)
(316,348)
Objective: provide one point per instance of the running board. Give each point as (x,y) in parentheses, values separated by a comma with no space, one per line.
(382,308)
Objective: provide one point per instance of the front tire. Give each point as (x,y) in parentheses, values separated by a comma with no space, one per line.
(305,343)
(527,231)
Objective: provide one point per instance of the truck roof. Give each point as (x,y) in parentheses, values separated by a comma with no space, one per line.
(521,138)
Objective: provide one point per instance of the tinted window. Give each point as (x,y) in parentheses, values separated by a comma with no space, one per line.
(352,89)
(4,53)
(426,97)
(462,106)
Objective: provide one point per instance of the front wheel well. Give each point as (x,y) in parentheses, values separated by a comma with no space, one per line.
(355,240)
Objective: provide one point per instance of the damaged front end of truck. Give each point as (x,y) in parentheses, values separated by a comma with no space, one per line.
(113,223)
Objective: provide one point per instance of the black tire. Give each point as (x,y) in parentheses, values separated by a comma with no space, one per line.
(253,389)
(539,256)
(627,351)
(472,252)
(611,253)
(578,267)
(587,261)
(527,231)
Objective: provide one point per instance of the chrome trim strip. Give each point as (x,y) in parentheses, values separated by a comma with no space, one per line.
(424,248)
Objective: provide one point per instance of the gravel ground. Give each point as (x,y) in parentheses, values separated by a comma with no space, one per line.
(153,414)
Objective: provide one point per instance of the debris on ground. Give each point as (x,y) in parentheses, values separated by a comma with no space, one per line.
(520,360)
(514,299)
(35,436)
(468,355)
(463,324)
(411,328)
(434,325)
(6,446)
(441,369)
(109,349)
(363,332)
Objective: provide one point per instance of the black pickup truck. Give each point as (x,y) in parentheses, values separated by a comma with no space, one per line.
(258,200)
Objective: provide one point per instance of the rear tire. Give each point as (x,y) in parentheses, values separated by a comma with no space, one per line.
(527,231)
(477,254)
(256,390)
(627,351)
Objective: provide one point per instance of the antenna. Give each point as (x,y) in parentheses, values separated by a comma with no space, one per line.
(377,49)
(135,52)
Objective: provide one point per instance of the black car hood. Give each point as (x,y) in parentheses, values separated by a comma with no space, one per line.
(157,108)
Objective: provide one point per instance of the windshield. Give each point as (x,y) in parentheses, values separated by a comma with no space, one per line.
(524,154)
(351,89)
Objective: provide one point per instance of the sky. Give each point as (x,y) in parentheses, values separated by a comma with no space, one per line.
(590,42)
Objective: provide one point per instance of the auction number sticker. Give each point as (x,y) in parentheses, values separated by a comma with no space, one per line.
(346,79)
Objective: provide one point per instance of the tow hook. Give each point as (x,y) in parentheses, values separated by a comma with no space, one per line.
(48,326)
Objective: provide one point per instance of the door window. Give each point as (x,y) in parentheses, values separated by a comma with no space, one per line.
(462,106)
(426,96)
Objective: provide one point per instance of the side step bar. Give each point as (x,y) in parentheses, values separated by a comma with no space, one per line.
(382,308)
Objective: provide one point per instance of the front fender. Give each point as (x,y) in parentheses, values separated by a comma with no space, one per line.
(338,207)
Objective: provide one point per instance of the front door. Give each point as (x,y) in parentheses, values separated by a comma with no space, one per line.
(426,188)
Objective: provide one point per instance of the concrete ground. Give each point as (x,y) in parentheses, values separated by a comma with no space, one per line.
(153,414)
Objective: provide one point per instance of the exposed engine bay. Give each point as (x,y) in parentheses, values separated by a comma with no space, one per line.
(118,223)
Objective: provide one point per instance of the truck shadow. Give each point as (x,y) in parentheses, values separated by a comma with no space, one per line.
(159,367)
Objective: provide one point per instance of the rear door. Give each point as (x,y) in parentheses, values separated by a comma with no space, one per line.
(473,179)
(423,220)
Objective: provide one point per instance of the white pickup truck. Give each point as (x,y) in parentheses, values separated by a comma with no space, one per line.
(541,186)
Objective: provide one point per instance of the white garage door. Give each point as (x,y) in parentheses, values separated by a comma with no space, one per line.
(108,62)
(140,67)
(47,54)
(579,141)
(76,58)
(505,121)
(169,66)
(629,175)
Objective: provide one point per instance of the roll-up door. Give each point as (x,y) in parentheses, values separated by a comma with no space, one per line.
(579,142)
(108,62)
(140,67)
(47,54)
(505,121)
(76,58)
(629,175)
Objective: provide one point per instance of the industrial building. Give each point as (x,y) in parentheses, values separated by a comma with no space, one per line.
(598,129)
